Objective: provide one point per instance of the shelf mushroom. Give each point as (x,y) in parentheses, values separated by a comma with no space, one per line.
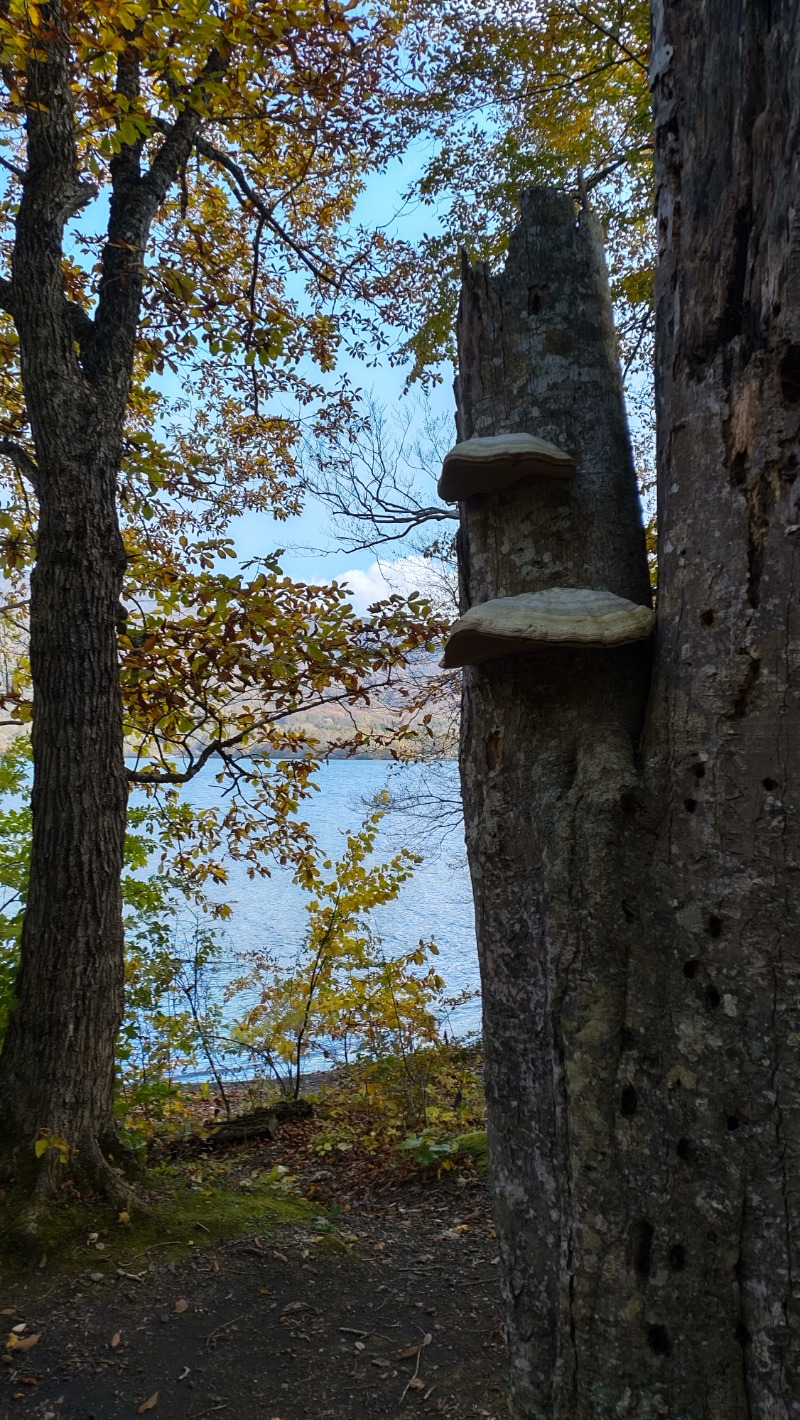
(492,465)
(561,616)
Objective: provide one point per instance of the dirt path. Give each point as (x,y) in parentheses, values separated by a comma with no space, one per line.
(372,1316)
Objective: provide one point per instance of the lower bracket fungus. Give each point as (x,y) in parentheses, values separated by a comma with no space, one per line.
(561,616)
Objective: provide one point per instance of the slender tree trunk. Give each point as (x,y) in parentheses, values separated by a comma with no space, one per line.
(636,878)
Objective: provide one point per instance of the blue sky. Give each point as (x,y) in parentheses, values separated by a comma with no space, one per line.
(380,205)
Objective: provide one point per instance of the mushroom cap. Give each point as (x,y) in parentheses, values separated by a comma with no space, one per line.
(492,465)
(561,616)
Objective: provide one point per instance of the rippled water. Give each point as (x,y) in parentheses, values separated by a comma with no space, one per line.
(268,913)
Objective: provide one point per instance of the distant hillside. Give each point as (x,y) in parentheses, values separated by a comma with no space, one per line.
(334,725)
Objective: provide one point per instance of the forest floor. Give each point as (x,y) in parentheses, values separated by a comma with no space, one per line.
(350,1289)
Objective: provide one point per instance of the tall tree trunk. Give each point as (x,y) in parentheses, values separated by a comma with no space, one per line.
(722,754)
(57,1062)
(57,1066)
(636,879)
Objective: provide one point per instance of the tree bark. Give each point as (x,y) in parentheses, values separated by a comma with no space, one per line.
(635,871)
(57,1062)
(57,1065)
(58,1057)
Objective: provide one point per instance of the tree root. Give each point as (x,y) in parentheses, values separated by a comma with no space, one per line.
(85,1171)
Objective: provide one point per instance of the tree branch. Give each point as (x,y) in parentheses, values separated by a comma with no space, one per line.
(246,194)
(222,745)
(83,327)
(615,38)
(21,460)
(136,199)
(12,168)
(158,776)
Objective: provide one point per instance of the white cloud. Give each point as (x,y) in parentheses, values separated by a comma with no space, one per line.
(406,574)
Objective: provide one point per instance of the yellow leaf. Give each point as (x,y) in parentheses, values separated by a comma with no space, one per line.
(17,1343)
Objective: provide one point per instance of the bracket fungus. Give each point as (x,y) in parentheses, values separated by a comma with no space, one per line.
(494,464)
(561,616)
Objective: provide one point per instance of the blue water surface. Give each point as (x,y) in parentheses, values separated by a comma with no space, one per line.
(268,912)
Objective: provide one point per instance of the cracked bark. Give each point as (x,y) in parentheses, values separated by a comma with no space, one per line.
(635,870)
(57,1063)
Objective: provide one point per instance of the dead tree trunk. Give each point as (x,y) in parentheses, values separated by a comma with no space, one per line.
(548,771)
(635,869)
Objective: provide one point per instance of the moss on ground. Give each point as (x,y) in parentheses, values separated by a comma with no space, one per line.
(71,1235)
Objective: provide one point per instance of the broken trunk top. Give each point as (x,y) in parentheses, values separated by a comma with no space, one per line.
(561,616)
(492,465)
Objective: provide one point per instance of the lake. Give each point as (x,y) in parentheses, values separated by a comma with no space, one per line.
(269,915)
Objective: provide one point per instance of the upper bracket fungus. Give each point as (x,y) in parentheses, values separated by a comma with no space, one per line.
(561,616)
(494,464)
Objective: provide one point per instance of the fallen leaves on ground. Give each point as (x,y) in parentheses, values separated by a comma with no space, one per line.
(21,1343)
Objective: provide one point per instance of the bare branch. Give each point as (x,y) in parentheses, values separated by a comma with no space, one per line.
(370,479)
(12,168)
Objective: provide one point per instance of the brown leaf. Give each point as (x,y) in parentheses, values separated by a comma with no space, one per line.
(26,1343)
(115,1340)
(280,1256)
(416,1384)
(181,1305)
(149,1403)
(409,1353)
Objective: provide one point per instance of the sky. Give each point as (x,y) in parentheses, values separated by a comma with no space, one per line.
(301,537)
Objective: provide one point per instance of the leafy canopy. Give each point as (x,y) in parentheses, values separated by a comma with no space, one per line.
(212,155)
(547,92)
